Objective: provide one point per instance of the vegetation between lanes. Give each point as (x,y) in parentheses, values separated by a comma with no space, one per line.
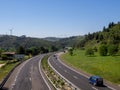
(54,78)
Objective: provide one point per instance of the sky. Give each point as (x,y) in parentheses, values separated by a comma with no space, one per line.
(56,18)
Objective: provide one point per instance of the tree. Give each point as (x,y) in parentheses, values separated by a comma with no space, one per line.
(28,51)
(21,50)
(0,52)
(53,48)
(95,49)
(103,50)
(71,51)
(112,49)
(89,52)
(43,50)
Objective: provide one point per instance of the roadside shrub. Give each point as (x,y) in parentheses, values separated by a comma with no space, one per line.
(89,52)
(4,57)
(95,49)
(112,49)
(103,50)
(71,51)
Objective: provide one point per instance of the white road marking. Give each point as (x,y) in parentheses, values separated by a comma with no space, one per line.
(65,71)
(110,87)
(13,84)
(77,71)
(75,77)
(42,74)
(56,63)
(94,88)
(30,79)
(62,75)
(72,69)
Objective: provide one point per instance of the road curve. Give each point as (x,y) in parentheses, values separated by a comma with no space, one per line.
(75,78)
(27,76)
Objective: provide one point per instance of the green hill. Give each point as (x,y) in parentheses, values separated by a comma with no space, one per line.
(7,42)
(108,36)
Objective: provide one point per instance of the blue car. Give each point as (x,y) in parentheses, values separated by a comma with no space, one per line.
(96,80)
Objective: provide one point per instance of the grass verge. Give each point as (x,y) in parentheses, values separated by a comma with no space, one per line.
(54,78)
(7,67)
(106,66)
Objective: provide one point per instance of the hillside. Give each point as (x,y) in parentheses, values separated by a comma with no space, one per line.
(52,39)
(7,42)
(109,35)
(70,41)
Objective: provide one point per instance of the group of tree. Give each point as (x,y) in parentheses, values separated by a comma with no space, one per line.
(109,35)
(104,50)
(35,50)
(111,50)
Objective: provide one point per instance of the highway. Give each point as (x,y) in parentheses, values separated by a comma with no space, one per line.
(78,80)
(27,76)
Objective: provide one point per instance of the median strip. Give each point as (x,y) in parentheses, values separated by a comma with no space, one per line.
(55,79)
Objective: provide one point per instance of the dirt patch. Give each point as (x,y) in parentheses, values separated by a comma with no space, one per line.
(1,65)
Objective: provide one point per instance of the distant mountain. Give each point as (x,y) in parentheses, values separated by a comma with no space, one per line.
(53,39)
(70,41)
(7,41)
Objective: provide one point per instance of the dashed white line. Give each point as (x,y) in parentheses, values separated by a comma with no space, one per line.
(13,84)
(30,79)
(111,88)
(75,77)
(61,75)
(77,71)
(72,69)
(94,88)
(65,71)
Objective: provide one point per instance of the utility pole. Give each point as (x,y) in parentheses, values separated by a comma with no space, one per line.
(11,31)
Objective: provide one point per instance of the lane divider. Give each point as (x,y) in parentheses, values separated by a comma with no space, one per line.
(42,74)
(76,88)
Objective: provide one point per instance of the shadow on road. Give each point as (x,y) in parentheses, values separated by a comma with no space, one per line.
(4,88)
(101,86)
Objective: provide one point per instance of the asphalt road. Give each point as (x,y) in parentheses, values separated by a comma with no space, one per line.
(75,78)
(27,76)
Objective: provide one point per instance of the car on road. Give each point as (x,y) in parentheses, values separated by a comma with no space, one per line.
(96,80)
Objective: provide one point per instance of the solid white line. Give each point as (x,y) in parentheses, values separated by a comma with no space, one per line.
(42,73)
(62,75)
(23,64)
(77,71)
(72,69)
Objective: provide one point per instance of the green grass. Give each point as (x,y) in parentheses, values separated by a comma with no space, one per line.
(54,77)
(3,61)
(5,69)
(108,66)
